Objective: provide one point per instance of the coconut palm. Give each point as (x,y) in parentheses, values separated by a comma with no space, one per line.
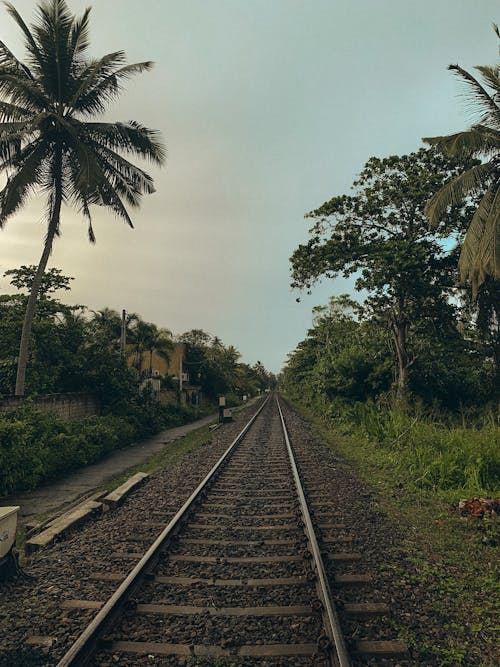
(480,255)
(159,342)
(50,140)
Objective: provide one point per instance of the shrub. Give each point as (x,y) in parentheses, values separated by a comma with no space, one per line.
(431,454)
(36,447)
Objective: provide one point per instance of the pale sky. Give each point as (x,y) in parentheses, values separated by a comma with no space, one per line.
(268,108)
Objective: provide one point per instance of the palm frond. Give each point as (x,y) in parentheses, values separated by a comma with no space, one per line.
(110,198)
(79,197)
(483,101)
(9,62)
(106,88)
(455,191)
(12,137)
(480,256)
(491,76)
(93,72)
(52,33)
(22,90)
(13,112)
(489,249)
(138,178)
(79,39)
(478,141)
(129,137)
(31,45)
(27,177)
(91,185)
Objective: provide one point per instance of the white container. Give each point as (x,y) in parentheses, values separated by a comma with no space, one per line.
(8,523)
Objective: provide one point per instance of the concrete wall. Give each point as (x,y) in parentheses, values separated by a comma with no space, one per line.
(67,406)
(168,397)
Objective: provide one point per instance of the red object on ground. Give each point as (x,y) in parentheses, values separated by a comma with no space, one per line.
(480,507)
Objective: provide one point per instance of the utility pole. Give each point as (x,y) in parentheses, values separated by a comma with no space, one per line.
(180,370)
(123,332)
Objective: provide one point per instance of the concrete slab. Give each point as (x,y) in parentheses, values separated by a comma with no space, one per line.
(116,497)
(62,525)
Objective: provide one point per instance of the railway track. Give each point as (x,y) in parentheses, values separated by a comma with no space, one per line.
(238,575)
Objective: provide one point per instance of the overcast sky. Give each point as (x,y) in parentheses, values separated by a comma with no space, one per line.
(268,108)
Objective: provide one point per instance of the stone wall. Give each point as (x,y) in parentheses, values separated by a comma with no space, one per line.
(67,406)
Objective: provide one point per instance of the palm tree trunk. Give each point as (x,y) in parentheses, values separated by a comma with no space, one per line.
(37,280)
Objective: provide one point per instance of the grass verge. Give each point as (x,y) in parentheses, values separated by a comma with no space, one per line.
(450,563)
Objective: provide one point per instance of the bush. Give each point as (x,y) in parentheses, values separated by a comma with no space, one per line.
(430,454)
(36,447)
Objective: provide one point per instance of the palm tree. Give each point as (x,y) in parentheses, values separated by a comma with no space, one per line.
(49,145)
(159,341)
(106,325)
(480,255)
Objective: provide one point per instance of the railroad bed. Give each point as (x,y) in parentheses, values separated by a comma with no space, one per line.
(247,572)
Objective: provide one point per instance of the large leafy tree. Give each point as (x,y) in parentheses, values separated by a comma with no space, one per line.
(380,233)
(480,256)
(50,142)
(57,337)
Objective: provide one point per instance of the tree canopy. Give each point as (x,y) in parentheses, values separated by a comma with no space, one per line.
(480,255)
(381,235)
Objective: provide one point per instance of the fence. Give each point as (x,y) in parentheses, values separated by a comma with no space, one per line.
(67,406)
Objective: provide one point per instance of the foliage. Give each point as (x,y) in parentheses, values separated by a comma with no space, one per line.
(35,446)
(429,454)
(381,234)
(52,280)
(216,367)
(481,323)
(47,142)
(38,446)
(57,335)
(147,338)
(74,350)
(347,357)
(440,557)
(480,256)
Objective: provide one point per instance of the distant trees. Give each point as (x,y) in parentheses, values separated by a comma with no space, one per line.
(75,349)
(147,338)
(480,256)
(218,369)
(347,358)
(48,145)
(58,333)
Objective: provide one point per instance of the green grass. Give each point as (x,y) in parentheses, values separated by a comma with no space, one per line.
(429,454)
(417,487)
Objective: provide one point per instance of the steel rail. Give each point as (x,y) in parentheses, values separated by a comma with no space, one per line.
(330,616)
(86,644)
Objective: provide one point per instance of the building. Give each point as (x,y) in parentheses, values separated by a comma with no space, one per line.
(170,372)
